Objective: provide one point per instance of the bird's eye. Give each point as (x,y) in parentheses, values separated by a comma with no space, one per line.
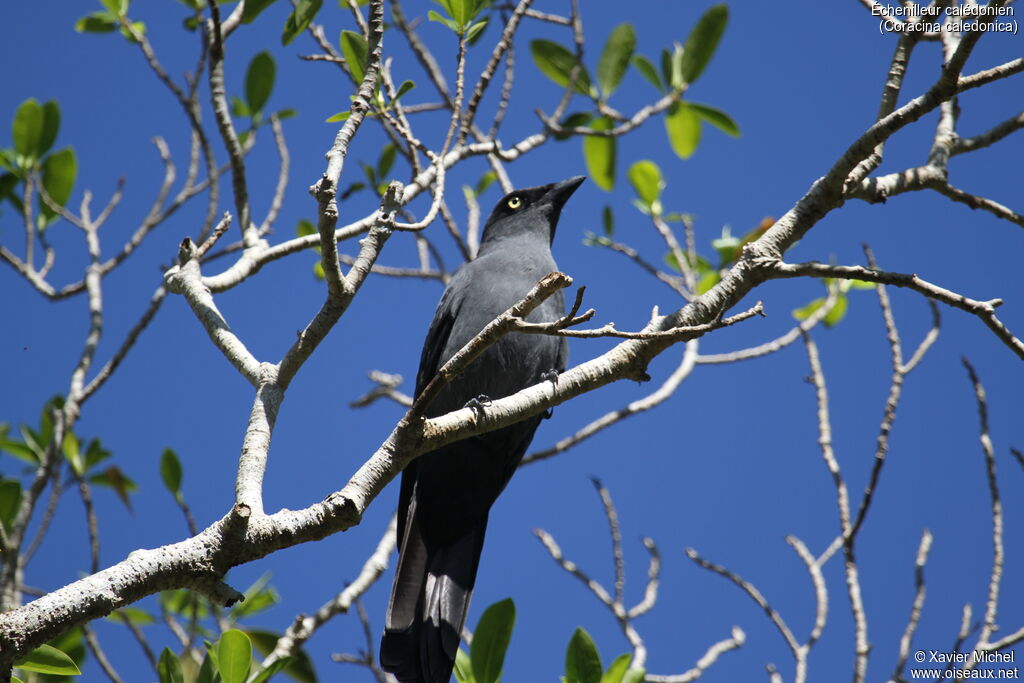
(514,202)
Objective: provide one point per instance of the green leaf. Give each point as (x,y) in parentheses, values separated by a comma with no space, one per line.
(582,662)
(635,676)
(701,266)
(239,109)
(463,667)
(137,26)
(805,312)
(71,643)
(386,160)
(116,7)
(666,68)
(727,246)
(97,22)
(608,220)
(234,655)
(95,454)
(253,9)
(617,669)
(677,65)
(862,284)
(355,50)
(114,478)
(600,153)
(59,171)
(134,615)
(169,667)
(707,281)
(211,655)
(683,128)
(258,597)
(285,114)
(10,501)
(33,441)
(647,70)
(73,453)
(171,472)
(556,62)
(301,666)
(463,11)
(450,23)
(615,58)
(27,128)
(716,117)
(340,116)
(576,120)
(207,672)
(405,87)
(304,12)
(272,669)
(702,42)
(259,81)
(8,181)
(476,31)
(838,312)
(20,450)
(51,124)
(491,639)
(47,659)
(645,177)
(485,181)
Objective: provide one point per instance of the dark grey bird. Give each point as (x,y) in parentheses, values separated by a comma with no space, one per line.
(447,494)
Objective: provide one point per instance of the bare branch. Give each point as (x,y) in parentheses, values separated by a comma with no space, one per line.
(988,626)
(754,594)
(304,627)
(984,310)
(101,657)
(387,387)
(915,610)
(640,405)
(226,126)
(282,176)
(736,640)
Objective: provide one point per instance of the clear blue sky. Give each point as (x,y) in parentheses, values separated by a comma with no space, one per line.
(729,465)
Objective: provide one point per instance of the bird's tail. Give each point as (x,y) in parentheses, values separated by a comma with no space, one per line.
(429,601)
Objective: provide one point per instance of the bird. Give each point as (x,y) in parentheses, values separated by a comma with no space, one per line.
(446,494)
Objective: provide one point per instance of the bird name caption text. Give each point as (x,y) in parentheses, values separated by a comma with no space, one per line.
(914,18)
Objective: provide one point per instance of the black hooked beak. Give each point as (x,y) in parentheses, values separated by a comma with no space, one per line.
(559,193)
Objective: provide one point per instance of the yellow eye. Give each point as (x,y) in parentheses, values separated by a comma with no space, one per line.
(514,202)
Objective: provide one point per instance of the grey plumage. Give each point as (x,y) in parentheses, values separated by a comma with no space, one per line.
(446,494)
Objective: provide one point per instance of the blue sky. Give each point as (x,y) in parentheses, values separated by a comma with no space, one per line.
(729,465)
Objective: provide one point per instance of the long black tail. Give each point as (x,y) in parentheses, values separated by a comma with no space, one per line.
(429,601)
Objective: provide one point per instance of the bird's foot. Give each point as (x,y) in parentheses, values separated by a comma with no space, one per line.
(549,376)
(478,403)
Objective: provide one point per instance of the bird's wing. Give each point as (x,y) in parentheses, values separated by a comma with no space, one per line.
(437,338)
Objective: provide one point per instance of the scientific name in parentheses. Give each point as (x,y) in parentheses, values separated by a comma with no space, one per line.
(914,10)
(976,656)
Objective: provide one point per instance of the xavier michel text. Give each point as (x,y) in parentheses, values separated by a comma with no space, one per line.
(977,656)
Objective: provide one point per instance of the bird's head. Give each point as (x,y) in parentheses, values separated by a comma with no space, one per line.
(532,209)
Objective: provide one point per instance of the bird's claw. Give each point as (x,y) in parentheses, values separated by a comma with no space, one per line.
(549,376)
(478,403)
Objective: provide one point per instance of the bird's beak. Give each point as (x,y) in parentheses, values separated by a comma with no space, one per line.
(559,193)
